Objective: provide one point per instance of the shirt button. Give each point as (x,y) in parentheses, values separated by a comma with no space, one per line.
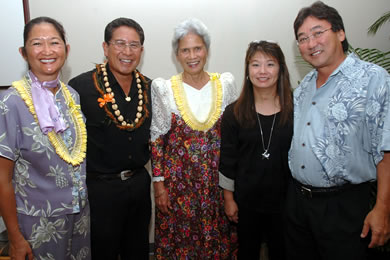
(130,138)
(303,144)
(313,103)
(308,123)
(130,156)
(303,166)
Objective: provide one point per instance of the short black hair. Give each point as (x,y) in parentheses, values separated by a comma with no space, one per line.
(123,22)
(321,11)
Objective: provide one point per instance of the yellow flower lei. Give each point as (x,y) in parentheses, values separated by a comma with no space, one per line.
(183,106)
(76,157)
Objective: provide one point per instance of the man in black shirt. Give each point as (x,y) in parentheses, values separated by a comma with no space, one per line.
(115,99)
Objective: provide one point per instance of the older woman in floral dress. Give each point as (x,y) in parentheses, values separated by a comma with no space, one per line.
(185,132)
(43,197)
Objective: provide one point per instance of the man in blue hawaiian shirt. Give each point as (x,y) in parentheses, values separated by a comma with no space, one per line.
(341,143)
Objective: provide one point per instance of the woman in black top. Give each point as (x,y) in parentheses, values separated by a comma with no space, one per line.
(256,135)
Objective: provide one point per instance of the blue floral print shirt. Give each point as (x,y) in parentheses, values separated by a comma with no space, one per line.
(341,129)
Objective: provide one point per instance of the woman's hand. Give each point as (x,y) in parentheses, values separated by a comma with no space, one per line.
(20,248)
(231,208)
(161,197)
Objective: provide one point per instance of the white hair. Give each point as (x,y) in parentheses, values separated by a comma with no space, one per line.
(191,25)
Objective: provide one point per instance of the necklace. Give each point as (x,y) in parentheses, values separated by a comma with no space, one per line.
(184,108)
(108,97)
(265,154)
(77,154)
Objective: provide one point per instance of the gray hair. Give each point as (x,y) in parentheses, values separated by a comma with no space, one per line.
(191,25)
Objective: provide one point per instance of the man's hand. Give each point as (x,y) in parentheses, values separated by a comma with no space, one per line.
(378,219)
(379,223)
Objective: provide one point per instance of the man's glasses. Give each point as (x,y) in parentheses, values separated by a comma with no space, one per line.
(121,45)
(316,35)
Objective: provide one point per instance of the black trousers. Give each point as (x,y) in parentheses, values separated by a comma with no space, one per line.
(120,216)
(327,227)
(254,228)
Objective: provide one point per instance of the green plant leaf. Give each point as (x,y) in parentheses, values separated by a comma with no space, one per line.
(378,23)
(374,56)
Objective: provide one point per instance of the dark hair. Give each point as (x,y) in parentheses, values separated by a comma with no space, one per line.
(123,22)
(321,11)
(244,109)
(42,19)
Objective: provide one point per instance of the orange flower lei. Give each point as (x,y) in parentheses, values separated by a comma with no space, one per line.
(106,98)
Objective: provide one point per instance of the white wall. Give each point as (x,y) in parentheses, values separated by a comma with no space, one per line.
(12,65)
(232,23)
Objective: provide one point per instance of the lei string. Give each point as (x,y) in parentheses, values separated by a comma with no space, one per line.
(100,79)
(78,151)
(183,106)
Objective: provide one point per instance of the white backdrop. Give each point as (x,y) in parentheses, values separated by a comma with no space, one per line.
(232,24)
(12,66)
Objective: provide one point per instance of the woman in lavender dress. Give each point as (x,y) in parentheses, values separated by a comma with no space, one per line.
(43,198)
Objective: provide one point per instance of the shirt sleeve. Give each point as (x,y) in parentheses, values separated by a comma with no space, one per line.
(9,128)
(385,144)
(229,149)
(161,123)
(378,114)
(230,90)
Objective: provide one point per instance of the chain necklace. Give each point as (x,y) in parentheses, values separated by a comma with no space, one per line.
(265,154)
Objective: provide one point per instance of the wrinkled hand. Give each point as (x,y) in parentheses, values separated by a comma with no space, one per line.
(379,223)
(163,203)
(19,249)
(231,210)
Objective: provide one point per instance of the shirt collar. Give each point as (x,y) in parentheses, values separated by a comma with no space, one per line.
(344,67)
(111,77)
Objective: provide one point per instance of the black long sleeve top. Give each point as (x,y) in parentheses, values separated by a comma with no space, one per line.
(259,184)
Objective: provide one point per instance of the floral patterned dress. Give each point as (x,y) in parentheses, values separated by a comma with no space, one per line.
(185,155)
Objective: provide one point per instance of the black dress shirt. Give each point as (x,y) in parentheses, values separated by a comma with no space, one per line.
(110,149)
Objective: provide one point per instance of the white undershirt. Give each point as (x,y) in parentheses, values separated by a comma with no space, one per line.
(199,100)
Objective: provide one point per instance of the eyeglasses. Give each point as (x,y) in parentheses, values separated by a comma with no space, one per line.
(121,45)
(316,35)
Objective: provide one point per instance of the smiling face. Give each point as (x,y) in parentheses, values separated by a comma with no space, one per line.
(123,61)
(325,51)
(45,51)
(263,71)
(192,54)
